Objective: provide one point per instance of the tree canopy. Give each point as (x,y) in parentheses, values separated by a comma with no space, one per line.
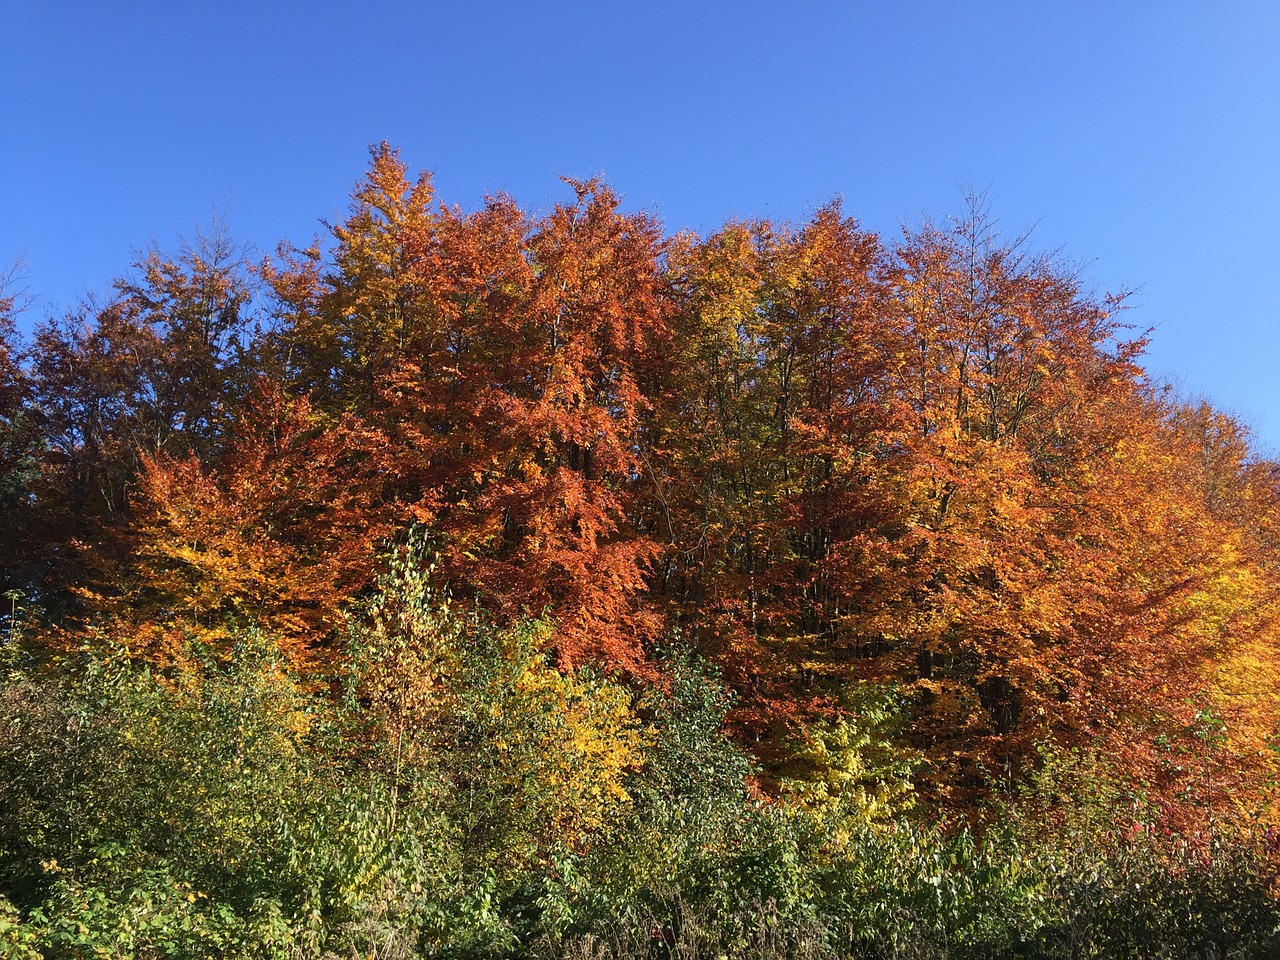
(927,466)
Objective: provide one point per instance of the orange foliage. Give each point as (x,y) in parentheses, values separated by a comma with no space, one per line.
(504,363)
(825,458)
(279,536)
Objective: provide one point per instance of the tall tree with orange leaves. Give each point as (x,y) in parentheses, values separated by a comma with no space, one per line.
(505,361)
(777,417)
(279,534)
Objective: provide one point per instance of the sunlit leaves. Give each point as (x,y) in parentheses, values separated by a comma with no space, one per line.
(830,459)
(278,534)
(538,756)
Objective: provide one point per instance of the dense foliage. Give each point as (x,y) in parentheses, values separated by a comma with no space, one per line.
(496,583)
(462,797)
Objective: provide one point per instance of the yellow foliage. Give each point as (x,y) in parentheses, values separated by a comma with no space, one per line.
(541,755)
(854,775)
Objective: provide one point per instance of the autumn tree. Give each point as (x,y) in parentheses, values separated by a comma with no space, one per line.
(503,360)
(18,448)
(780,413)
(93,377)
(279,534)
(537,756)
(344,323)
(540,460)
(198,303)
(156,369)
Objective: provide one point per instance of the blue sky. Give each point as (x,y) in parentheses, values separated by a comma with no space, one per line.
(1142,138)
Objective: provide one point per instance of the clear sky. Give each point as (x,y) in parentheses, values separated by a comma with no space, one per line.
(1143,138)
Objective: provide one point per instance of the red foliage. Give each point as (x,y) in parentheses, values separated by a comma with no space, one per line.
(825,459)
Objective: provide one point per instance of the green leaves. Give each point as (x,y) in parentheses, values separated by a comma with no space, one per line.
(535,757)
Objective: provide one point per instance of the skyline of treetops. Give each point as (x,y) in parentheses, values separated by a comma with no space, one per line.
(830,462)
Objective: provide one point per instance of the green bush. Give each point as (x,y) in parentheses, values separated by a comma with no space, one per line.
(463,798)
